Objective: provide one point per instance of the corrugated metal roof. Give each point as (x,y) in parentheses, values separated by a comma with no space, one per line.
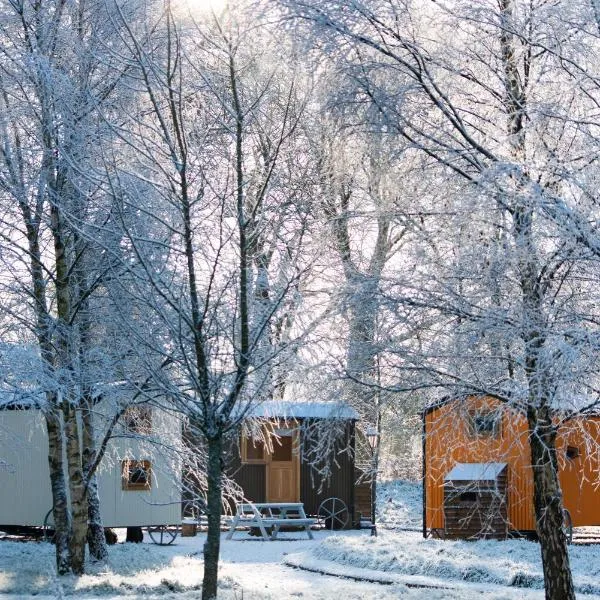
(475,471)
(304,410)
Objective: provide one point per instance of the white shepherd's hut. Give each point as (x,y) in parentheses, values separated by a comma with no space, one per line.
(138,478)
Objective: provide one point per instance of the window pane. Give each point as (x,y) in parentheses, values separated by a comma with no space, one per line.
(486,423)
(136,474)
(282,449)
(255,450)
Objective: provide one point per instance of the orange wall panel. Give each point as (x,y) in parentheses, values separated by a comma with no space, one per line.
(579,476)
(450,440)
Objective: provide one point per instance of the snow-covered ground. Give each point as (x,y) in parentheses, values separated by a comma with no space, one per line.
(400,505)
(401,549)
(251,569)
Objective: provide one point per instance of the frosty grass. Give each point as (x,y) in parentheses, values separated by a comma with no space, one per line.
(253,570)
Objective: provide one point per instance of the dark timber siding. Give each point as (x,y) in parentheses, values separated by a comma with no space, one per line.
(339,485)
(476,509)
(252,478)
(362,500)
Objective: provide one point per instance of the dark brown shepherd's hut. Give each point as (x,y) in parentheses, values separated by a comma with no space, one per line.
(303,452)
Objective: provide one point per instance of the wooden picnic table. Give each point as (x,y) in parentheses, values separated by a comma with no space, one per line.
(270,515)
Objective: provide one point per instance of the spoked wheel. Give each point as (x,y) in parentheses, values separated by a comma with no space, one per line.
(333,513)
(567,526)
(193,509)
(163,535)
(48,526)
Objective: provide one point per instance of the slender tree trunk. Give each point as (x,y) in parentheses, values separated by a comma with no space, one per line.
(79,508)
(261,383)
(547,498)
(361,353)
(214,503)
(558,581)
(59,491)
(96,538)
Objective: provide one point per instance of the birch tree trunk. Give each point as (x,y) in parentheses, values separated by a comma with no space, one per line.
(60,507)
(547,497)
(79,508)
(96,538)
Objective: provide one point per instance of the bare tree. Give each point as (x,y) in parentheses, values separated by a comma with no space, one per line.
(482,106)
(51,83)
(207,146)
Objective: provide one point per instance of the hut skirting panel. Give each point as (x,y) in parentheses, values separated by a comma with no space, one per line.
(475,511)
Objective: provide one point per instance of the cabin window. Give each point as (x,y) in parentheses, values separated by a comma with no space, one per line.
(138,419)
(573,452)
(136,475)
(486,423)
(282,447)
(253,450)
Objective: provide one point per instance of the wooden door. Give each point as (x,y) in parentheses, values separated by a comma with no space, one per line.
(283,468)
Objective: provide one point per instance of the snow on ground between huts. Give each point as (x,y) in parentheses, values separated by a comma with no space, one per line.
(252,569)
(400,505)
(401,549)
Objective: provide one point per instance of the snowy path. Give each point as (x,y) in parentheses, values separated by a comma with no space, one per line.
(251,569)
(258,568)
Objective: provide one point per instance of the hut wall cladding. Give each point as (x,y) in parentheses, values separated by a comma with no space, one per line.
(252,478)
(362,499)
(450,440)
(340,484)
(580,474)
(476,509)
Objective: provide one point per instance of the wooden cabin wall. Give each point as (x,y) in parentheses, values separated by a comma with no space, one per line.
(25,493)
(161,504)
(449,439)
(251,478)
(580,475)
(339,485)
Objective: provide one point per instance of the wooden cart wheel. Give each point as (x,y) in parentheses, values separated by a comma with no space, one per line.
(48,527)
(567,526)
(193,509)
(333,513)
(163,535)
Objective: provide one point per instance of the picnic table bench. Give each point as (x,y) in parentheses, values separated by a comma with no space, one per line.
(270,515)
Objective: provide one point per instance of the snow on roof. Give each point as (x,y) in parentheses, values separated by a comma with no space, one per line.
(304,410)
(475,471)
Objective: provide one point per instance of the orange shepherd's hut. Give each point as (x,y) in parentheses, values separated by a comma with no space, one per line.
(477,474)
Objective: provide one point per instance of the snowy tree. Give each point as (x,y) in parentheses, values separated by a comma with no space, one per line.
(475,88)
(205,165)
(53,78)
